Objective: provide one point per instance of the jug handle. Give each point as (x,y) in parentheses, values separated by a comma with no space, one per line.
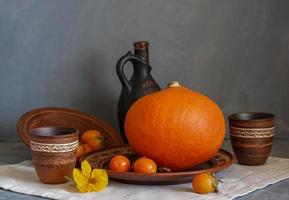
(120,66)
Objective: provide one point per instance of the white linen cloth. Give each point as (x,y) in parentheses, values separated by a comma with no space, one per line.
(237,180)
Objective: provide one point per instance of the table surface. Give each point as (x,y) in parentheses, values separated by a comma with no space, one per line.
(16,152)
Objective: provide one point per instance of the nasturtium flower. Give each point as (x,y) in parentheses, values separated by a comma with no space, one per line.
(88,180)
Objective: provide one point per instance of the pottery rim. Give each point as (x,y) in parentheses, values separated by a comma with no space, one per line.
(251,116)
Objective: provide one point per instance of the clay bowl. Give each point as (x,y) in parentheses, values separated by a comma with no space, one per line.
(43,117)
(222,160)
(54,153)
(251,135)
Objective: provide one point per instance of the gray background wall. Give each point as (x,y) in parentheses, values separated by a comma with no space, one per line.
(63,53)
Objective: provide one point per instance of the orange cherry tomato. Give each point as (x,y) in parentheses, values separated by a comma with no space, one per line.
(90,134)
(205,183)
(83,149)
(145,165)
(95,144)
(119,163)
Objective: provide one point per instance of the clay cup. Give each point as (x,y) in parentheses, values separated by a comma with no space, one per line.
(54,153)
(251,135)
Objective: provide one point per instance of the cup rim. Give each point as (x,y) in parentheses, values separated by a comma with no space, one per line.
(246,116)
(71,131)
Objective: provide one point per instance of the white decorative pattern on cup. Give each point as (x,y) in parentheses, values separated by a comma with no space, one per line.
(53,148)
(252,132)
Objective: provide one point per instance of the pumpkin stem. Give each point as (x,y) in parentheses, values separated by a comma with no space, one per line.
(174,84)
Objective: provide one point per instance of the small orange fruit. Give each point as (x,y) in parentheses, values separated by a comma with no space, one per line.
(95,144)
(90,134)
(83,149)
(80,151)
(145,165)
(119,163)
(205,183)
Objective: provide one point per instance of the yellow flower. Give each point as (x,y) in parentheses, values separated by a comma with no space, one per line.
(88,180)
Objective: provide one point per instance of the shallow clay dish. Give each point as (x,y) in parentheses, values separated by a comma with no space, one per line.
(220,161)
(43,117)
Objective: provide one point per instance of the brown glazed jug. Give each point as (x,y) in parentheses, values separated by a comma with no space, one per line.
(140,84)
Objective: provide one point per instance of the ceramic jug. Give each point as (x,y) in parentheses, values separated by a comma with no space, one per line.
(141,83)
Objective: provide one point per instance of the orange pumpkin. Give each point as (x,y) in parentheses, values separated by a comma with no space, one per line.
(176,127)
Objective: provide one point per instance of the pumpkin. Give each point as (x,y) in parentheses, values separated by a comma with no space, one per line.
(176,127)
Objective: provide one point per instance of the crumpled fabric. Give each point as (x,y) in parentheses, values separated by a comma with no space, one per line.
(237,180)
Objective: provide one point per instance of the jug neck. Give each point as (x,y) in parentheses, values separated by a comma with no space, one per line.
(141,50)
(142,70)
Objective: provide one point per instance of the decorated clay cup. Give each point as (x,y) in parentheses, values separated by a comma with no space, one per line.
(251,135)
(54,153)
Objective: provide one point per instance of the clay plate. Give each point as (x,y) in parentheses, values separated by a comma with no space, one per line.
(41,117)
(220,161)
